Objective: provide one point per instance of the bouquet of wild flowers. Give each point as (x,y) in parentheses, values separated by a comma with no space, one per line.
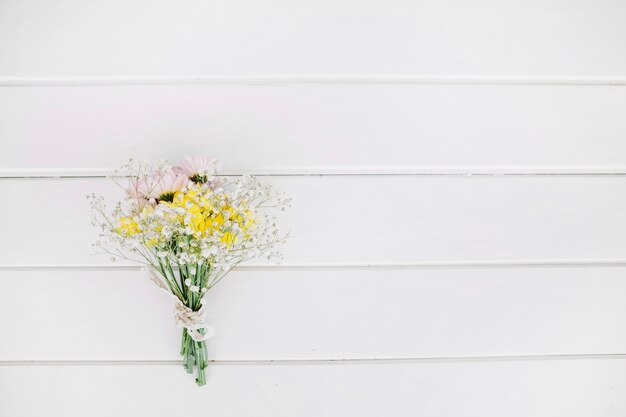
(189,227)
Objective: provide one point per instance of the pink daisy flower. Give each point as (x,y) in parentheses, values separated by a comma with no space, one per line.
(166,186)
(198,169)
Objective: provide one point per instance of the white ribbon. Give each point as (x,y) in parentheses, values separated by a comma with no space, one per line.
(193,321)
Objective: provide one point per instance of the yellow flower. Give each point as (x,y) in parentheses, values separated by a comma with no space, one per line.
(206,215)
(229,238)
(127,226)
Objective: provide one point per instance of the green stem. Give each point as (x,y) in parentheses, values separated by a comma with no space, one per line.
(183,343)
(201,365)
(195,354)
(171,282)
(190,359)
(169,268)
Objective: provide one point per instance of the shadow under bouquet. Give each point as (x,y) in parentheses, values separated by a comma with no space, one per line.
(189,227)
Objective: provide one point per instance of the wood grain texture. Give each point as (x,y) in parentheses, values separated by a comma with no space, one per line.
(70,38)
(316,128)
(344,220)
(578,388)
(320,315)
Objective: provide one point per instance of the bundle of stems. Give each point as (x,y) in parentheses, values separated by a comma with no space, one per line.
(186,287)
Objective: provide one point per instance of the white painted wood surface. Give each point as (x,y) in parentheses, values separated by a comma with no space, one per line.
(575,388)
(161,38)
(309,314)
(366,219)
(316,128)
(447,295)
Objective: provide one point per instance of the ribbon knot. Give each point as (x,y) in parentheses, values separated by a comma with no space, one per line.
(194,322)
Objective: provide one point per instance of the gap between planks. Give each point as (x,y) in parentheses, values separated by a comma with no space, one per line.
(352,170)
(291,79)
(547,263)
(291,362)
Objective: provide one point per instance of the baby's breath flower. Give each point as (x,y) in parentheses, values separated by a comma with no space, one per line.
(170,219)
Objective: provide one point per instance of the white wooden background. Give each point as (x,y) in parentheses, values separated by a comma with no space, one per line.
(458,171)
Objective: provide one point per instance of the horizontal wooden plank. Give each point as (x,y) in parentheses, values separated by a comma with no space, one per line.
(578,388)
(344,220)
(316,128)
(319,315)
(118,38)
